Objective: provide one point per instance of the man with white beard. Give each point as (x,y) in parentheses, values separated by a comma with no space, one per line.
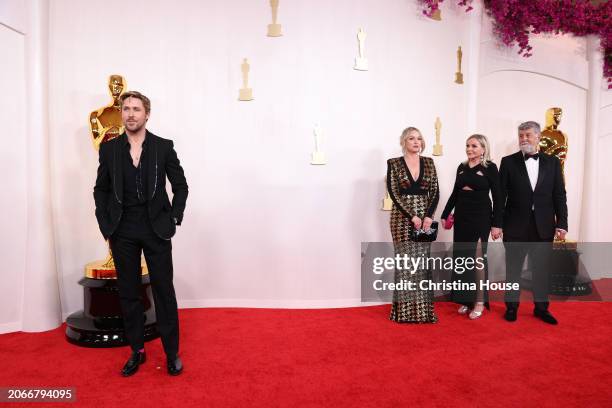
(535,213)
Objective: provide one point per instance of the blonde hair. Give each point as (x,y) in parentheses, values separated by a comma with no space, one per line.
(484,143)
(405,135)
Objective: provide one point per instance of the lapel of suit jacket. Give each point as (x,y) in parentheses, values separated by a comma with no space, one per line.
(152,164)
(542,167)
(118,148)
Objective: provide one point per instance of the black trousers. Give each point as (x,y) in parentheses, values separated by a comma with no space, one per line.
(158,254)
(539,250)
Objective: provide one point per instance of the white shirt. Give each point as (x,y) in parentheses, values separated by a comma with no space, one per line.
(533,167)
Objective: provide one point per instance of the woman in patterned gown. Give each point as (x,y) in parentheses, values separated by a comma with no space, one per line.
(412,183)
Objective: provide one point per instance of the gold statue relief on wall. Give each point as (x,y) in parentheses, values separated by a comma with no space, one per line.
(459,74)
(387,203)
(274,29)
(361,62)
(437,148)
(436,15)
(245,93)
(318,157)
(105,123)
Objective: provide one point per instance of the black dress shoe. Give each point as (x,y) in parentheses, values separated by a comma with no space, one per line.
(175,366)
(135,360)
(545,316)
(510,315)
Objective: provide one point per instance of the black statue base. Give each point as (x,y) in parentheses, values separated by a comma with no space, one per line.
(100,324)
(565,277)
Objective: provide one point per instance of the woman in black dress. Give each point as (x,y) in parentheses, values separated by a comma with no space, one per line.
(475,218)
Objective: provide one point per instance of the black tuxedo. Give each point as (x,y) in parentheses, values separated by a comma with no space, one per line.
(530,219)
(548,199)
(136,217)
(162,161)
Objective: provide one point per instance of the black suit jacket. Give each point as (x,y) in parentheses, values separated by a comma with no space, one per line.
(548,199)
(162,161)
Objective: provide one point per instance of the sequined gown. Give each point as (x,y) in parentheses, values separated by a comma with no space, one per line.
(411,197)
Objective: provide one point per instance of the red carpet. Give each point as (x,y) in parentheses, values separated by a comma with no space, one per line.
(338,357)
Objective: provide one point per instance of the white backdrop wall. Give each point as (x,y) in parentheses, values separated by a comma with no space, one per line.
(13,161)
(13,15)
(263,227)
(604,153)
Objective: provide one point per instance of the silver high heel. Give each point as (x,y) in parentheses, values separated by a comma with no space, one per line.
(463,310)
(474,314)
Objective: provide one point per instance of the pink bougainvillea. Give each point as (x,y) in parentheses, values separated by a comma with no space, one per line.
(515,20)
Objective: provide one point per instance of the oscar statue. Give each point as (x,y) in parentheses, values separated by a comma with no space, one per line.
(437,149)
(361,62)
(564,279)
(274,29)
(100,323)
(105,123)
(245,93)
(458,74)
(552,140)
(318,157)
(437,14)
(387,203)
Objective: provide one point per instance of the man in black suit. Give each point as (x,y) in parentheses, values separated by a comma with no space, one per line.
(135,215)
(535,212)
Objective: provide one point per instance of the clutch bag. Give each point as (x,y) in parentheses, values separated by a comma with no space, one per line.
(421,235)
(450,220)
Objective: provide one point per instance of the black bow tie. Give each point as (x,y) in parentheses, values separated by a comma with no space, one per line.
(534,156)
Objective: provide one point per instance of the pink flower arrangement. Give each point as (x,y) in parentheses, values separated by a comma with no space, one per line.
(515,20)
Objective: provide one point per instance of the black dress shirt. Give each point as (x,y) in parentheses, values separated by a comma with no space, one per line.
(134,221)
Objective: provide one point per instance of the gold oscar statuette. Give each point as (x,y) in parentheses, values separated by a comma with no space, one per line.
(245,93)
(361,62)
(318,157)
(437,148)
(274,29)
(105,124)
(458,74)
(554,142)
